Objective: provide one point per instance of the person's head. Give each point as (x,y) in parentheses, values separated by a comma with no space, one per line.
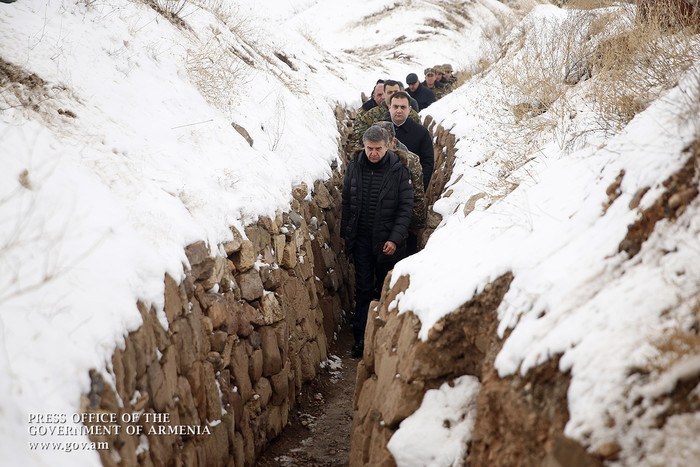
(429,77)
(389,128)
(412,81)
(378,93)
(390,87)
(399,107)
(447,68)
(376,143)
(439,72)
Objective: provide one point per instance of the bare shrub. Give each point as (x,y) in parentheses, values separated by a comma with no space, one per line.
(639,62)
(172,10)
(216,71)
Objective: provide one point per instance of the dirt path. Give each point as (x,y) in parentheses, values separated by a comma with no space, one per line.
(319,431)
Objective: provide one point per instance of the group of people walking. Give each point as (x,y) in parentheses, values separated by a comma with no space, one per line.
(383,199)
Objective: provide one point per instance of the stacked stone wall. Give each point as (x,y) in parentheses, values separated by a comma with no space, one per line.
(246,328)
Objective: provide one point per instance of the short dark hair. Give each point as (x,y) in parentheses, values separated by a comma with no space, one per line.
(400,95)
(391,82)
(375,134)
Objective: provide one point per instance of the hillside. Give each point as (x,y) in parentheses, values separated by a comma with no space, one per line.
(131,130)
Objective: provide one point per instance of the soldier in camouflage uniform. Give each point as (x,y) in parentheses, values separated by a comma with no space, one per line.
(367,119)
(442,78)
(449,77)
(432,84)
(412,161)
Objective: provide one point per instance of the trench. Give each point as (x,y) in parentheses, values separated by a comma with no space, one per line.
(253,366)
(319,432)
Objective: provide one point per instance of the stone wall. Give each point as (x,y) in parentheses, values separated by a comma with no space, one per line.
(245,330)
(520,419)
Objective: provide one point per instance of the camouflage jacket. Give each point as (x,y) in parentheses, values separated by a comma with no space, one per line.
(369,118)
(412,161)
(439,90)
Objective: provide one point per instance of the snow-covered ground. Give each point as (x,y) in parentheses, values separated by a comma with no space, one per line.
(126,153)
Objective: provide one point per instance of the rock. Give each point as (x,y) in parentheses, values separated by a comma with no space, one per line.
(289,256)
(271,309)
(239,368)
(272,359)
(263,388)
(243,132)
(299,192)
(250,284)
(608,450)
(201,263)
(244,259)
(173,304)
(258,236)
(234,245)
(217,313)
(321,195)
(280,385)
(255,365)
(218,270)
(217,341)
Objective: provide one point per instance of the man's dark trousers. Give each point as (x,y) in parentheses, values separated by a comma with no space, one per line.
(369,273)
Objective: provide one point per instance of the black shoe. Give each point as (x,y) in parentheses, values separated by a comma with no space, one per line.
(357,350)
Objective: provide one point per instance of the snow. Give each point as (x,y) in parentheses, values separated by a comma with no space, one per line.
(151,164)
(438,432)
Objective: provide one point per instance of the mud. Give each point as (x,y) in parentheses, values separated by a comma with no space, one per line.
(318,434)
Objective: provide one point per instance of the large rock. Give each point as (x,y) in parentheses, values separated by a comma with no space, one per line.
(250,284)
(201,263)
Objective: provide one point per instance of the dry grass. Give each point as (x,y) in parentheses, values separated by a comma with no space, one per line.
(679,342)
(628,63)
(217,72)
(172,10)
(637,65)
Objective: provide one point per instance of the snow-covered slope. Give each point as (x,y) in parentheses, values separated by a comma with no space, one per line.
(120,151)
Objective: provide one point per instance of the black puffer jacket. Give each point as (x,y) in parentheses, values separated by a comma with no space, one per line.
(394,203)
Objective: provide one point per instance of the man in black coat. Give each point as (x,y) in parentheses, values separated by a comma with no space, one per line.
(377,206)
(376,99)
(419,92)
(414,135)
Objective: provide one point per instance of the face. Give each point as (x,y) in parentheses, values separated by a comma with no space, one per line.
(448,74)
(375,150)
(378,93)
(399,110)
(414,86)
(439,75)
(390,91)
(430,79)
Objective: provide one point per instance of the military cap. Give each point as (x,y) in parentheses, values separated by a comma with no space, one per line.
(438,69)
(429,71)
(447,68)
(389,127)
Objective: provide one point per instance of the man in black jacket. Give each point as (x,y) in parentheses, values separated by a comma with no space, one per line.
(414,135)
(377,206)
(420,93)
(376,99)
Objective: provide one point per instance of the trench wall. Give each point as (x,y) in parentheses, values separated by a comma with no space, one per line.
(220,381)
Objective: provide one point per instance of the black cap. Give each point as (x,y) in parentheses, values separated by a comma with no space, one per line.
(412,78)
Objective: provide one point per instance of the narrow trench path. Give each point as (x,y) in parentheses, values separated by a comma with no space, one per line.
(318,434)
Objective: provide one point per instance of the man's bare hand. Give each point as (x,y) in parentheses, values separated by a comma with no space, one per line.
(389,248)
